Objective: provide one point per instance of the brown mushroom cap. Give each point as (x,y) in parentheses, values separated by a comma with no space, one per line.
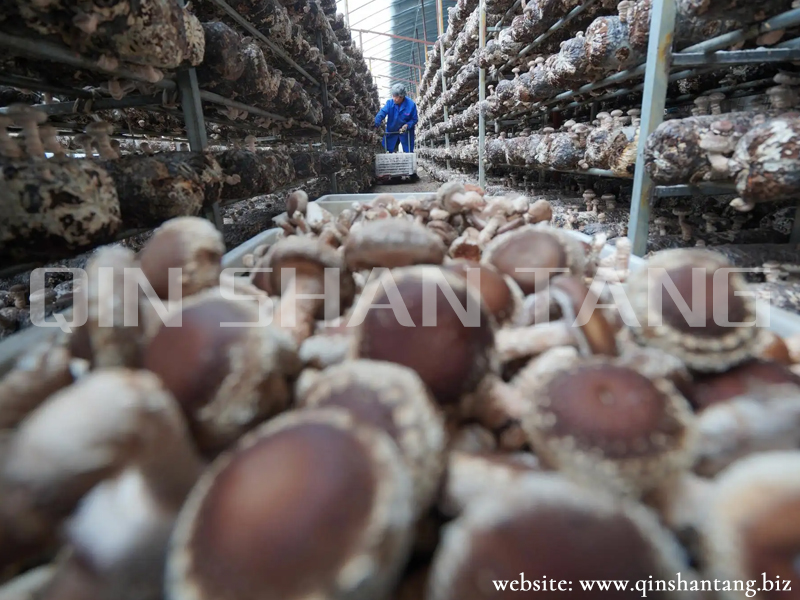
(752,525)
(704,343)
(309,257)
(610,424)
(500,294)
(449,356)
(533,247)
(226,379)
(547,528)
(394,399)
(296,202)
(191,244)
(392,243)
(309,505)
(754,379)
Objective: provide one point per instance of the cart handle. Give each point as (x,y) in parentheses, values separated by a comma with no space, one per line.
(407,132)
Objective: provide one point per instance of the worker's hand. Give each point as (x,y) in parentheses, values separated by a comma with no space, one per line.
(403,128)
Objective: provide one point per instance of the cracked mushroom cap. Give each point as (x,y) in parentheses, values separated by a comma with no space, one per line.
(391,243)
(752,524)
(754,379)
(450,348)
(394,399)
(500,294)
(548,528)
(541,252)
(311,505)
(719,334)
(227,379)
(610,424)
(191,244)
(309,257)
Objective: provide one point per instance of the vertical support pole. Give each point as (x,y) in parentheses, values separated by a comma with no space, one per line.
(192,106)
(794,237)
(440,27)
(424,29)
(346,14)
(481,99)
(662,26)
(326,104)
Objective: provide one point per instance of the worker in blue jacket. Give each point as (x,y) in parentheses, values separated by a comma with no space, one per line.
(401,115)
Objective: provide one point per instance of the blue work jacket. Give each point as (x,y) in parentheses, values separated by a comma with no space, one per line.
(398,115)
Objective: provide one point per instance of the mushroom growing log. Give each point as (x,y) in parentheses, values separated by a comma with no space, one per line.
(673,153)
(223,57)
(258,172)
(153,189)
(766,160)
(50,208)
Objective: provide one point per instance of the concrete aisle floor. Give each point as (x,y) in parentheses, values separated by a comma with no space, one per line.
(425,184)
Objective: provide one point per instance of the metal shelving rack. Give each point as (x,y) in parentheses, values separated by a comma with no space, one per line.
(185,85)
(658,71)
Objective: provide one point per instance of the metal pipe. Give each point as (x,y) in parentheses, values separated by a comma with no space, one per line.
(782,21)
(481,97)
(391,35)
(28,83)
(396,62)
(424,28)
(736,57)
(43,49)
(662,26)
(74,108)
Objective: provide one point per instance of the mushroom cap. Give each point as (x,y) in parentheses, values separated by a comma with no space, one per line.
(392,243)
(393,399)
(716,96)
(533,247)
(754,379)
(714,143)
(548,528)
(308,257)
(705,342)
(610,425)
(702,101)
(722,126)
(752,524)
(634,112)
(787,78)
(451,353)
(681,212)
(309,505)
(100,128)
(606,197)
(227,379)
(21,112)
(191,244)
(296,201)
(617,113)
(499,293)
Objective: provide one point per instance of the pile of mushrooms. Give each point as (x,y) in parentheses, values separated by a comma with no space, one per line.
(337,449)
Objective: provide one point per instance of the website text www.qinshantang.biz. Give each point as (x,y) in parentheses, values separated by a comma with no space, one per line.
(643,587)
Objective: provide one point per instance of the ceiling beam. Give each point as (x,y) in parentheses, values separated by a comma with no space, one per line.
(391,35)
(396,62)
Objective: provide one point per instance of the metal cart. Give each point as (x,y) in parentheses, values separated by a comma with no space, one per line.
(395,165)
